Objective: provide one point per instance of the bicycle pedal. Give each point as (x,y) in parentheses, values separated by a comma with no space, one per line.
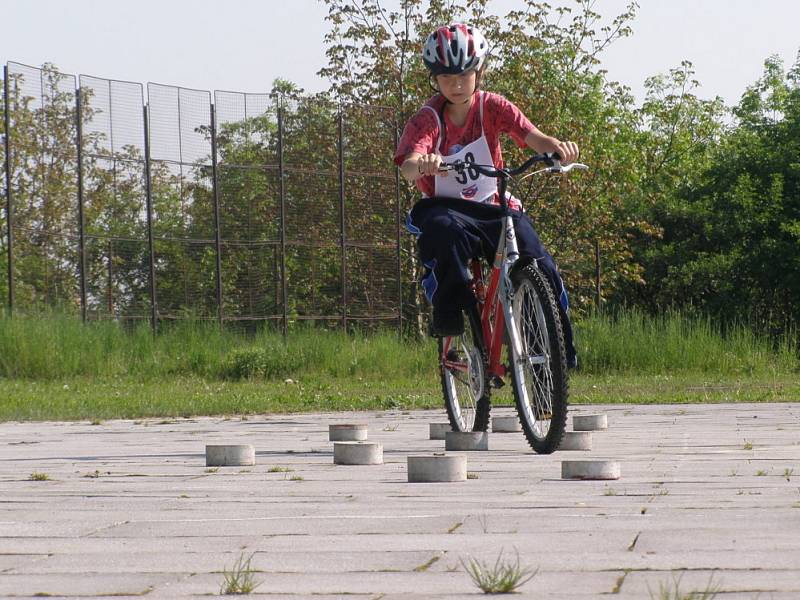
(496,382)
(453,356)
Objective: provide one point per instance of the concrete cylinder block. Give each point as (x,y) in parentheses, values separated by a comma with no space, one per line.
(347,432)
(589,422)
(590,469)
(576,440)
(437,468)
(505,425)
(357,453)
(466,440)
(438,430)
(219,455)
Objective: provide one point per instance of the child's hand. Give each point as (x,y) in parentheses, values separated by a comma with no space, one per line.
(568,151)
(428,164)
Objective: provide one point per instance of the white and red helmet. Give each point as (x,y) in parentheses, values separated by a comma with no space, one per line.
(454,49)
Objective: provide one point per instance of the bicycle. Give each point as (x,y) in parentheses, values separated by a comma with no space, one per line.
(516,308)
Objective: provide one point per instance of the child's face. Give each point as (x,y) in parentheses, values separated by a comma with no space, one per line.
(457,88)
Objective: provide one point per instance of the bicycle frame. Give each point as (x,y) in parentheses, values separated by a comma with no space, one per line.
(495,305)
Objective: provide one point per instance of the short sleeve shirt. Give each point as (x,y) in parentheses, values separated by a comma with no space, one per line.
(421,133)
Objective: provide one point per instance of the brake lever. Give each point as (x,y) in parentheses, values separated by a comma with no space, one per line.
(576,165)
(559,168)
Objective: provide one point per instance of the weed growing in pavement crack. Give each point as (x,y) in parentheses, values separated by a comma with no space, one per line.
(280,470)
(673,591)
(620,580)
(36,476)
(455,526)
(504,577)
(240,579)
(484,521)
(425,566)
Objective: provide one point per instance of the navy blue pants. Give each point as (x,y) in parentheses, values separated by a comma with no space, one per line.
(451,232)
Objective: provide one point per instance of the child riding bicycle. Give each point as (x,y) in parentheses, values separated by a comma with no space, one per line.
(458,219)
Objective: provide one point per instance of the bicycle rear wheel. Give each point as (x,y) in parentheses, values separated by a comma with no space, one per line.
(465,381)
(539,375)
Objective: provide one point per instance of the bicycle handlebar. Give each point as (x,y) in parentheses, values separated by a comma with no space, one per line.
(552,160)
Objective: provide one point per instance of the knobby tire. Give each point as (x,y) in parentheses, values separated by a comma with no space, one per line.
(546,384)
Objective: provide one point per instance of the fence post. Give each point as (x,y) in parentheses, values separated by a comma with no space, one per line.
(149,200)
(597,274)
(81,227)
(217,227)
(282,191)
(342,221)
(9,206)
(110,280)
(399,233)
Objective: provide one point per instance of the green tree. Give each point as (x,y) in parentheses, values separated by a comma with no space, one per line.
(675,136)
(731,231)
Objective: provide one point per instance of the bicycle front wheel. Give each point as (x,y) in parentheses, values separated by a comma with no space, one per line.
(539,374)
(465,382)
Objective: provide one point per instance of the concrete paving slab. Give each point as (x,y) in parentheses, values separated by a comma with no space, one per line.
(81,584)
(131,508)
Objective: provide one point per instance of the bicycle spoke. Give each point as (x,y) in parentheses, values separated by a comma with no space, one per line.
(536,354)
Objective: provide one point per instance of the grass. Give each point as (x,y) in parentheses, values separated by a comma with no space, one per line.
(240,579)
(427,565)
(672,591)
(186,396)
(54,367)
(504,577)
(631,341)
(57,346)
(36,476)
(278,469)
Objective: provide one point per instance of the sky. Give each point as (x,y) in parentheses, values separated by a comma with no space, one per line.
(243,45)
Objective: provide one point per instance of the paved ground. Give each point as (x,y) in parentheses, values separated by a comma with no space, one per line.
(130,509)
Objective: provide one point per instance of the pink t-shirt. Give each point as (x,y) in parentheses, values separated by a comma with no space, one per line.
(421,133)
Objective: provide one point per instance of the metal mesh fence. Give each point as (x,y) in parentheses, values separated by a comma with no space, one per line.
(249,194)
(114,199)
(43,170)
(182,198)
(248,209)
